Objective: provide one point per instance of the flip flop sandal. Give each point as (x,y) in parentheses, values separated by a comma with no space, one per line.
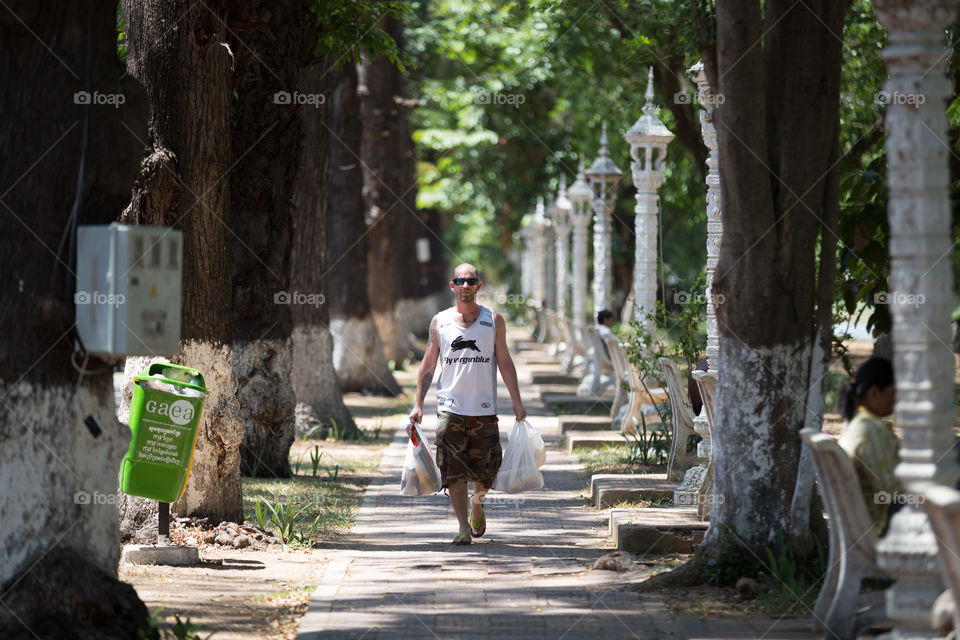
(462,539)
(478,527)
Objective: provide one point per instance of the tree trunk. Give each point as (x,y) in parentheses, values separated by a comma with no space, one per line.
(319,400)
(271,42)
(59,475)
(357,351)
(389,187)
(774,201)
(187,76)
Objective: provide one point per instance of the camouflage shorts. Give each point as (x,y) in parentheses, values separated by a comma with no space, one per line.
(468,447)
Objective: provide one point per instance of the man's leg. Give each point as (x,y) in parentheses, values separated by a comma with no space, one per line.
(458,498)
(476,503)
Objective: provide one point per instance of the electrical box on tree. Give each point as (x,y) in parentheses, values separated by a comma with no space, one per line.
(128,289)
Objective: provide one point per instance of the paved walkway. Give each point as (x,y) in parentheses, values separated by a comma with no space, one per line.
(396,575)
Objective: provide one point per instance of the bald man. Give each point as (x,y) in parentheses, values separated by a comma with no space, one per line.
(470,342)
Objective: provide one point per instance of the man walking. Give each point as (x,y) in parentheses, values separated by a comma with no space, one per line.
(470,342)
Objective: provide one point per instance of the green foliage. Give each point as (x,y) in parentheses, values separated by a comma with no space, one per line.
(315,456)
(725,561)
(356,28)
(180,630)
(283,518)
(648,447)
(503,115)
(121,34)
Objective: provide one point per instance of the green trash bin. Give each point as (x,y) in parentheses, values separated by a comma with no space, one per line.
(164,414)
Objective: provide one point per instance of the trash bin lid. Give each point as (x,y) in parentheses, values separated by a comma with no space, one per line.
(175,374)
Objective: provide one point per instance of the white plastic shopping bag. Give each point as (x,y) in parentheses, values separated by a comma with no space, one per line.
(420,476)
(525,453)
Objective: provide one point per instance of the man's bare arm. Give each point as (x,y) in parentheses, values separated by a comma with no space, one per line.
(425,374)
(508,370)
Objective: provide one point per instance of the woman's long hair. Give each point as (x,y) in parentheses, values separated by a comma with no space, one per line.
(875,372)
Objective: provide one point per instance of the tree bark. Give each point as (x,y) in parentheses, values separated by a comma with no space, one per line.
(187,75)
(319,399)
(271,42)
(389,187)
(59,476)
(357,351)
(776,127)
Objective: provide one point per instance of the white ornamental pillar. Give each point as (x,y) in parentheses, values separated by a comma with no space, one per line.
(539,267)
(648,139)
(714,233)
(562,210)
(921,296)
(526,262)
(580,196)
(603,175)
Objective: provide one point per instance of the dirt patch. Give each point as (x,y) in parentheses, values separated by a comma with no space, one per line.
(236,594)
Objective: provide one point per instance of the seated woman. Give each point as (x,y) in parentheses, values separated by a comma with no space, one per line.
(870,441)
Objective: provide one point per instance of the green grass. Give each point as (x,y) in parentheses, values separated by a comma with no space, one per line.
(334,498)
(612,458)
(642,503)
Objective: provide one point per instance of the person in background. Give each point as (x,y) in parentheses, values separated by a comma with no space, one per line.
(870,441)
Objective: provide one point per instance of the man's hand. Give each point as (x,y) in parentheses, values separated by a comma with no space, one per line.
(416,415)
(519,411)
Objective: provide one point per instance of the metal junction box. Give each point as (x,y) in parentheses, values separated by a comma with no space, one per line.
(128,289)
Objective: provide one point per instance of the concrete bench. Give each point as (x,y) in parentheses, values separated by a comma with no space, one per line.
(942,504)
(853,541)
(600,374)
(607,489)
(621,364)
(680,459)
(657,529)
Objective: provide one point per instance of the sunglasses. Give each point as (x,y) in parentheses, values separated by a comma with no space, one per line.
(468,281)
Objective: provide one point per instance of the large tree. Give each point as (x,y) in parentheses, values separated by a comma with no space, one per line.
(271,43)
(389,188)
(778,71)
(319,399)
(183,183)
(357,352)
(60,442)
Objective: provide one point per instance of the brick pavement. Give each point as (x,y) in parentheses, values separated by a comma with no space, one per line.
(396,575)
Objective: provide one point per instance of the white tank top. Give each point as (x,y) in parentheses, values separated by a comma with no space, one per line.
(467,384)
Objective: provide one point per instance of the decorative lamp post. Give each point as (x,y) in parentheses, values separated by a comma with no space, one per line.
(580,194)
(562,211)
(648,139)
(539,266)
(918,208)
(603,174)
(688,491)
(526,261)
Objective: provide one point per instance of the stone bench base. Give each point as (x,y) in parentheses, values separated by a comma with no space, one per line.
(607,489)
(592,439)
(553,377)
(574,404)
(584,423)
(657,529)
